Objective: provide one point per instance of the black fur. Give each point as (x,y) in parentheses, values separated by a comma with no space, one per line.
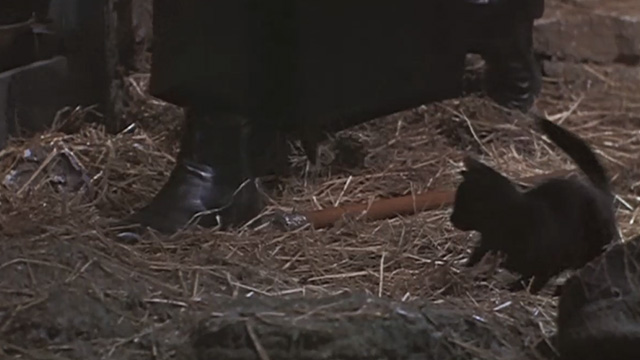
(558,225)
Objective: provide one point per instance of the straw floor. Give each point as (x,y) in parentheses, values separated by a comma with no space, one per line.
(68,287)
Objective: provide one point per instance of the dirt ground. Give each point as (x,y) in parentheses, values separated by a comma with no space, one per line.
(70,290)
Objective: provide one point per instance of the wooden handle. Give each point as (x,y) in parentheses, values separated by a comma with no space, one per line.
(404,205)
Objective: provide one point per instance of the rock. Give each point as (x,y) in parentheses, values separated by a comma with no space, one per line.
(599,309)
(347,326)
(590,30)
(583,74)
(582,2)
(50,322)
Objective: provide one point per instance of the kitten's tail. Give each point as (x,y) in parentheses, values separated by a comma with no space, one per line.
(578,150)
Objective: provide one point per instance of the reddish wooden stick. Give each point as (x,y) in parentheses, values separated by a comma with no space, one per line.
(404,205)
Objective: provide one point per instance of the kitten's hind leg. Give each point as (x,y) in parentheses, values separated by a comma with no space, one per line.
(478,253)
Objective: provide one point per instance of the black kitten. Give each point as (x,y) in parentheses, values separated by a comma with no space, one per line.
(558,225)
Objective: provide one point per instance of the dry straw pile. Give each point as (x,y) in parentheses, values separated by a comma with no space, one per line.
(63,189)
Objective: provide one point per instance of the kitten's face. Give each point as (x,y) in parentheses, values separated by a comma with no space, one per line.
(478,196)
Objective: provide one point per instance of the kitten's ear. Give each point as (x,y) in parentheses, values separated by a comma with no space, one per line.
(472,164)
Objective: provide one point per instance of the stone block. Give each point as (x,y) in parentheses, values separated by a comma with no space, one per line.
(351,326)
(590,31)
(588,73)
(31,95)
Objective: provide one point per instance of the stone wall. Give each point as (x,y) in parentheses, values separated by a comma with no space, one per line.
(597,31)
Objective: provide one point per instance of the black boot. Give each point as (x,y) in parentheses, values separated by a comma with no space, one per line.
(501,32)
(212,182)
(513,78)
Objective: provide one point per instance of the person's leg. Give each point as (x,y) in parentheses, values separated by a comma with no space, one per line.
(212,176)
(501,32)
(220,151)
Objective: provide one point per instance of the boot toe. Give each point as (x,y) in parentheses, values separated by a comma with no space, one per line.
(192,196)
